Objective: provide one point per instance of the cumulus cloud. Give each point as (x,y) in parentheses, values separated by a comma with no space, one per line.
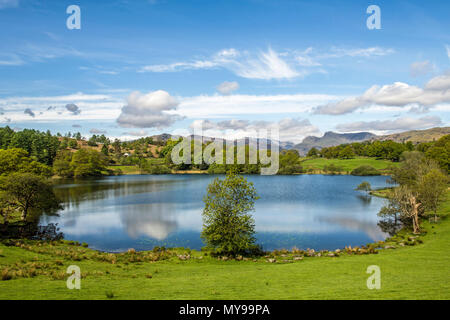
(398,94)
(290,129)
(29,112)
(73,108)
(227,88)
(149,110)
(421,68)
(405,123)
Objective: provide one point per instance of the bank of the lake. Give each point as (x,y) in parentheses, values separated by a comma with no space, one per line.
(407,272)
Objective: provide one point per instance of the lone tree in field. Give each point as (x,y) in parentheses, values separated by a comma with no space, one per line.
(228,228)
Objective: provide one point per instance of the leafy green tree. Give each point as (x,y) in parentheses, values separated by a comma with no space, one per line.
(313,152)
(431,188)
(28,192)
(228,228)
(346,153)
(61,165)
(17,160)
(87,162)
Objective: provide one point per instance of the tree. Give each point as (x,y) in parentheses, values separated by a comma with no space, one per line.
(87,162)
(17,160)
(313,152)
(346,153)
(27,193)
(228,228)
(431,188)
(364,186)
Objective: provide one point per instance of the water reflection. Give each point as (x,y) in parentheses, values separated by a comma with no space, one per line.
(116,213)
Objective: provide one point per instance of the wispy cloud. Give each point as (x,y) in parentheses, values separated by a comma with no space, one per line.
(391,125)
(265,65)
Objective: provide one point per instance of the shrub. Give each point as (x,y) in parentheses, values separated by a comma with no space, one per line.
(365,171)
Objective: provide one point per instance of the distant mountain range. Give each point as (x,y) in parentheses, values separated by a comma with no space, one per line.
(330,139)
(417,136)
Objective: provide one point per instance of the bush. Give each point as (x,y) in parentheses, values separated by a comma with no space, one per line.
(365,171)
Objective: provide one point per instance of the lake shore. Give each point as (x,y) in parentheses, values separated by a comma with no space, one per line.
(190,274)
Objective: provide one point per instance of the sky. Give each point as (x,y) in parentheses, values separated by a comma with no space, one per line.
(143,67)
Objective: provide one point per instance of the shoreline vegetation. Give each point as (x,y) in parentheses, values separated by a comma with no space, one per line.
(163,273)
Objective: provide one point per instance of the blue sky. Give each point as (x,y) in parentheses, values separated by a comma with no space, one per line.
(143,67)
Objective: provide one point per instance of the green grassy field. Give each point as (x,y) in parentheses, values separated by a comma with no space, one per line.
(346,165)
(410,272)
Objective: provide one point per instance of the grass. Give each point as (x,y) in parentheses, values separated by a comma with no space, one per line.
(347,165)
(36,270)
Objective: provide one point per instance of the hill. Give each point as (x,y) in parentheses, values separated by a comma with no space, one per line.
(416,136)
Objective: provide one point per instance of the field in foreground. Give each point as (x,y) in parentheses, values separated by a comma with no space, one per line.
(410,272)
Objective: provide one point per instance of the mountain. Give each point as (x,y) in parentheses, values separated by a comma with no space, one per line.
(330,139)
(416,136)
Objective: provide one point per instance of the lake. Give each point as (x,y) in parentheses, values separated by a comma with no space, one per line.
(143,211)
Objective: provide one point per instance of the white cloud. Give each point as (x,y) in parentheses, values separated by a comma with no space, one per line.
(398,94)
(448,50)
(214,106)
(290,129)
(140,133)
(405,123)
(227,88)
(421,68)
(148,110)
(266,65)
(95,106)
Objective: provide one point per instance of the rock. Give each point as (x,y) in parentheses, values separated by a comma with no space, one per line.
(331,254)
(224,258)
(271,260)
(287,261)
(239,258)
(298,258)
(337,250)
(184,257)
(284,255)
(318,255)
(389,247)
(401,244)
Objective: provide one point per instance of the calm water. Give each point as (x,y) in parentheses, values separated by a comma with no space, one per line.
(306,211)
